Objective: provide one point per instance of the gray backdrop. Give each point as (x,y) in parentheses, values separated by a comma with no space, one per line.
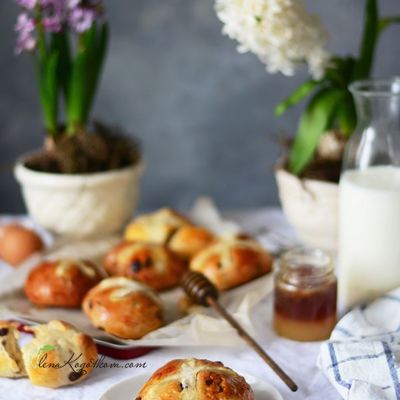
(203,113)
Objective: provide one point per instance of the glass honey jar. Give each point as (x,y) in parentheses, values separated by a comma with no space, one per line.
(305,295)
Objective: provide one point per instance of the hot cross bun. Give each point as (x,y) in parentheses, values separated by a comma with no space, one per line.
(61,283)
(195,380)
(231,262)
(153,264)
(124,308)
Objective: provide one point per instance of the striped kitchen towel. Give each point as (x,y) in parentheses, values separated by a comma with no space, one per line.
(362,357)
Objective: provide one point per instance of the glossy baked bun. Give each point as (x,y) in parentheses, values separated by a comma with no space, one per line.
(124,308)
(56,343)
(61,283)
(189,240)
(150,263)
(11,364)
(232,262)
(169,228)
(155,227)
(195,380)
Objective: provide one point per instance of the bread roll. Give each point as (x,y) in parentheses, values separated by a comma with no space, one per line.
(124,308)
(61,283)
(231,262)
(195,380)
(58,355)
(156,227)
(152,264)
(189,240)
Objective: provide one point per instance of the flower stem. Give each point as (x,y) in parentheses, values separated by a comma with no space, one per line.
(41,37)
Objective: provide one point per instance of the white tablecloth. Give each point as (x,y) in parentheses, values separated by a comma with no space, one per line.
(298,359)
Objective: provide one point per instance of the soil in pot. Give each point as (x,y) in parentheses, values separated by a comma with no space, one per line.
(323,170)
(101,149)
(327,162)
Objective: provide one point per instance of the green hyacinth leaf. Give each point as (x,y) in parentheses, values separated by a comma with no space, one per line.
(386,22)
(48,86)
(317,118)
(99,44)
(76,92)
(60,43)
(347,115)
(299,94)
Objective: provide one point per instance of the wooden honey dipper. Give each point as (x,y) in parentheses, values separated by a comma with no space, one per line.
(203,292)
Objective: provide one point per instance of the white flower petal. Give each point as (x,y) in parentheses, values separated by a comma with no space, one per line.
(280,32)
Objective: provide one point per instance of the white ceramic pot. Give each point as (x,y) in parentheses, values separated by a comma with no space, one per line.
(83,204)
(311,206)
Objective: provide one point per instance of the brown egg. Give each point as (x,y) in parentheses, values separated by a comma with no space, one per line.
(17,243)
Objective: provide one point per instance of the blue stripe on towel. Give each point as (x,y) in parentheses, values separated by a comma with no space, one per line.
(335,367)
(344,331)
(357,358)
(392,369)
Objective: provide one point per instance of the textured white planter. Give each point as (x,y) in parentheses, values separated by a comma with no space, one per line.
(80,205)
(311,206)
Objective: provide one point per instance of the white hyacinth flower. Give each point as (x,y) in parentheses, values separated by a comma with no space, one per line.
(280,32)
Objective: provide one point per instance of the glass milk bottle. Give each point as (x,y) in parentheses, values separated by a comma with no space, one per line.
(369,196)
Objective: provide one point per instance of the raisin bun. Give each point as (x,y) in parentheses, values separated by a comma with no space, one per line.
(11,364)
(124,308)
(195,380)
(232,262)
(171,229)
(58,343)
(61,283)
(150,263)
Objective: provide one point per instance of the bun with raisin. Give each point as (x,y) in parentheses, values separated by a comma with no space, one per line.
(197,380)
(124,308)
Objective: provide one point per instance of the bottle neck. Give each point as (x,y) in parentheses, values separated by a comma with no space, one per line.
(381,112)
(376,141)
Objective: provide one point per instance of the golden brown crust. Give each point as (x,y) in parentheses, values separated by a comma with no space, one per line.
(189,240)
(232,262)
(123,308)
(169,228)
(61,283)
(193,379)
(58,355)
(156,227)
(152,264)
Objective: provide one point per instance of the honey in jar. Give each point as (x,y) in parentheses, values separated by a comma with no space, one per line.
(305,295)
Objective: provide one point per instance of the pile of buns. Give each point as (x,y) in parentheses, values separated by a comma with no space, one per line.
(157,250)
(58,355)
